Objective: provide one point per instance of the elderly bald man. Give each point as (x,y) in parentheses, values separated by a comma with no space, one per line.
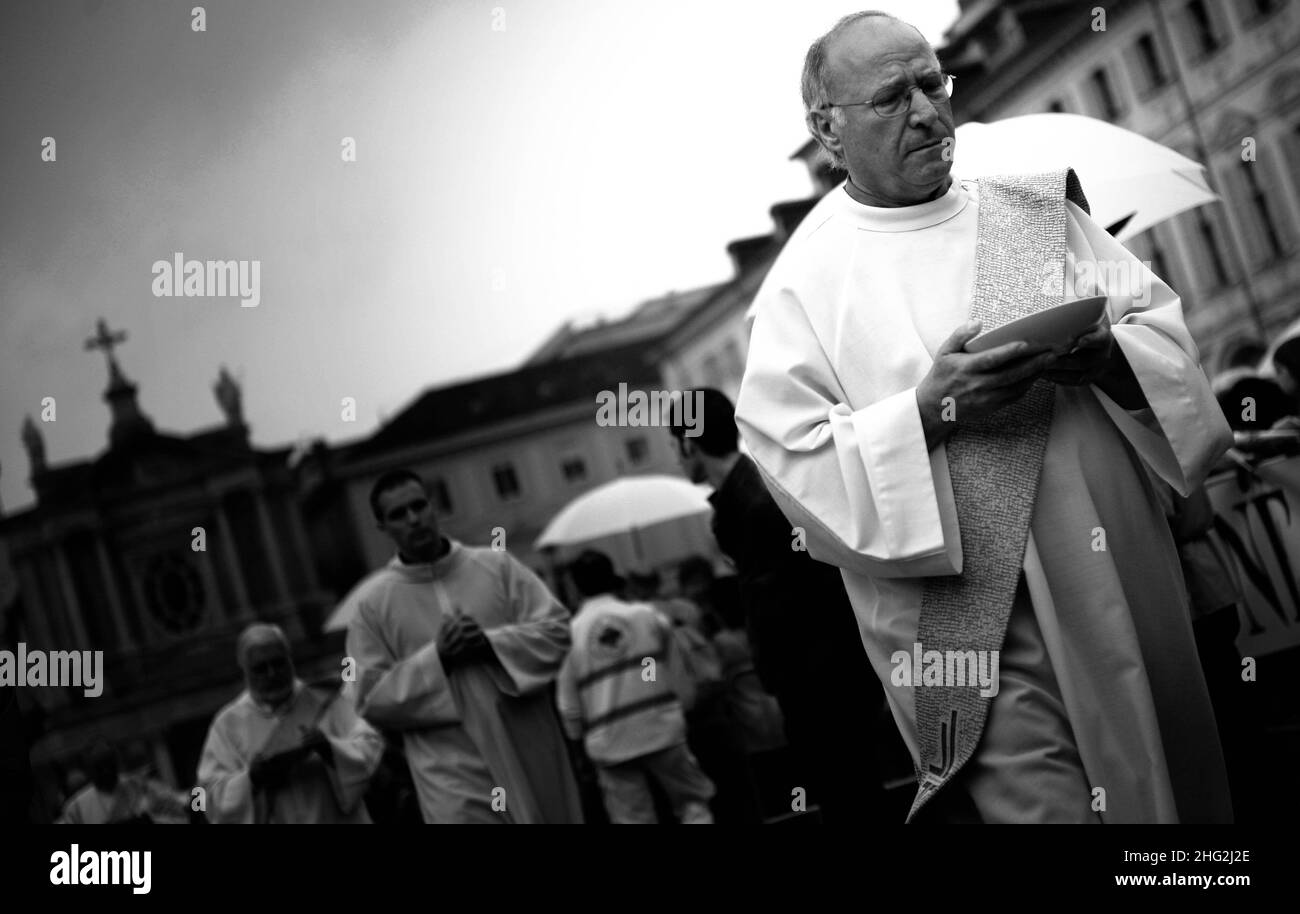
(1016,586)
(282,753)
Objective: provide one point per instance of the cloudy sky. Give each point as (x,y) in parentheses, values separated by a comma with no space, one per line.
(587,156)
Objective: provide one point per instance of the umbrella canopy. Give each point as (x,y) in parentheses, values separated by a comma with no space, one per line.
(623,506)
(1127,178)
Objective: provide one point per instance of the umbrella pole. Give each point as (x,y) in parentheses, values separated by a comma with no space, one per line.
(636,545)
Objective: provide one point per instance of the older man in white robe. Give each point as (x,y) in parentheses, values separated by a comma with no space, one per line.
(992,500)
(282,753)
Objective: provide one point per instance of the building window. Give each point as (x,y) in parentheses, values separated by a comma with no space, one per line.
(1253,11)
(1210,243)
(441,496)
(1105,95)
(1153,70)
(505,480)
(174,593)
(637,450)
(574,469)
(1204,33)
(1267,243)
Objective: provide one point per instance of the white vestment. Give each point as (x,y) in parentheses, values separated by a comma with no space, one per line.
(844,328)
(315,792)
(482,741)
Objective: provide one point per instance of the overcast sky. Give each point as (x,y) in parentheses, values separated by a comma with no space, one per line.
(590,155)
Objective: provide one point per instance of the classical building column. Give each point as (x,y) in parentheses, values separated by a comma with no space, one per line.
(303,545)
(70,600)
(35,611)
(273,551)
(124,639)
(244,611)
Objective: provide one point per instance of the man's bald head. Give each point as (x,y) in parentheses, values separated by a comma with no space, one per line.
(817,67)
(898,158)
(263,654)
(257,634)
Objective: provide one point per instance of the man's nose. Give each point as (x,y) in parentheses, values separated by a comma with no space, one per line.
(923,111)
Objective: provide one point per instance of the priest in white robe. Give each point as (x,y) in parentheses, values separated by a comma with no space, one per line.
(857,346)
(282,752)
(458,648)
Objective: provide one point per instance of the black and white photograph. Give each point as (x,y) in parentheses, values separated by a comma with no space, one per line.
(566,412)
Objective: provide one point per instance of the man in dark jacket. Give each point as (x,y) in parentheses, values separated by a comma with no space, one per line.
(802,629)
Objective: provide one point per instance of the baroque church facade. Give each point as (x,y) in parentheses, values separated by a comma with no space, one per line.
(157,552)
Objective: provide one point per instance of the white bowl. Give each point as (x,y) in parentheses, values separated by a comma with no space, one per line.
(1052,327)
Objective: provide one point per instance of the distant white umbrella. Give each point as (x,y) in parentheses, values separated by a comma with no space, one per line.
(624,506)
(1125,176)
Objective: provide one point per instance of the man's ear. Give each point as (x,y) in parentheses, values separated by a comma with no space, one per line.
(822,126)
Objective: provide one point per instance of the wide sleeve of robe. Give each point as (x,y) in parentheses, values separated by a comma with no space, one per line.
(532,647)
(1182,432)
(223,775)
(409,693)
(357,750)
(858,479)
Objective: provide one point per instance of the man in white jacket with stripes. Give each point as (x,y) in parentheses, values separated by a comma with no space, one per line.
(616,692)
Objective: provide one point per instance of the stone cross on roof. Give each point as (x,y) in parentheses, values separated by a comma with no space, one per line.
(106,339)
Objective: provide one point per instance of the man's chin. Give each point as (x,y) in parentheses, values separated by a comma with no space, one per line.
(422,546)
(931,181)
(277,697)
(927,169)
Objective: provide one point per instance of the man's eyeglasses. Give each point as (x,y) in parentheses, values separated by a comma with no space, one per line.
(894,100)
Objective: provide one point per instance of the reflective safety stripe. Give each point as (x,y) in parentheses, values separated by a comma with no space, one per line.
(666,698)
(615,668)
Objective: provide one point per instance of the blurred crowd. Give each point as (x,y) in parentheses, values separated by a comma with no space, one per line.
(1264,398)
(683,694)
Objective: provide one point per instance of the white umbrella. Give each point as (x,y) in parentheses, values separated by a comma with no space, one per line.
(624,506)
(1124,175)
